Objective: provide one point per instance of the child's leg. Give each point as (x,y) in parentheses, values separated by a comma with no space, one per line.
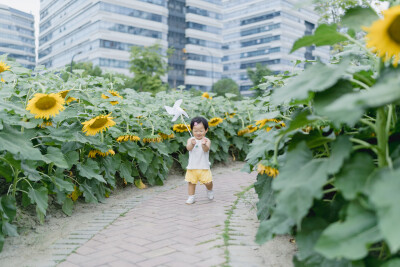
(191,188)
(210,193)
(209,185)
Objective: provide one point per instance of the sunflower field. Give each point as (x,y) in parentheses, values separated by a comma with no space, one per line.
(64,141)
(331,177)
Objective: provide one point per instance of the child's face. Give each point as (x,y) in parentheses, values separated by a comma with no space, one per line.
(199,131)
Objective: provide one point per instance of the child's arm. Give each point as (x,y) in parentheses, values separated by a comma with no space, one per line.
(191,142)
(206,144)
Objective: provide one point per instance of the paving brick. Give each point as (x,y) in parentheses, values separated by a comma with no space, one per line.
(160,230)
(67,264)
(155,261)
(129,256)
(158,252)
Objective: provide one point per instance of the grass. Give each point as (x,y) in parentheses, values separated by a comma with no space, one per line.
(226,235)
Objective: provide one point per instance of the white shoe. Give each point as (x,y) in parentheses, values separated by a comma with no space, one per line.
(190,200)
(210,194)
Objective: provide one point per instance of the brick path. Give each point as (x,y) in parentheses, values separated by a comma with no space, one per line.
(164,231)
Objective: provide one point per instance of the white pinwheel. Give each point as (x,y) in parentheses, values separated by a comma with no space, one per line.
(177,111)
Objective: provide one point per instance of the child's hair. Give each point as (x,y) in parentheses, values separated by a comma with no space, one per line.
(196,120)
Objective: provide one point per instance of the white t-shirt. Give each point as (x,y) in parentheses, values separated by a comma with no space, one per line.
(198,159)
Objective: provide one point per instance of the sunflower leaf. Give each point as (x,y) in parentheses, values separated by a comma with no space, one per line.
(40,198)
(126,171)
(19,144)
(55,155)
(351,238)
(324,35)
(316,78)
(387,184)
(357,17)
(90,170)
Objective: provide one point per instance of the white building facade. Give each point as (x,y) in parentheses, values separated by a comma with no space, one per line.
(203,43)
(17,36)
(258,31)
(101,32)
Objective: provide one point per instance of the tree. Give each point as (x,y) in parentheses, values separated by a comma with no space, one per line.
(149,66)
(86,66)
(331,10)
(257,77)
(226,85)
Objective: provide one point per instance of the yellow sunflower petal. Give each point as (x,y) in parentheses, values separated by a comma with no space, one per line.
(3,67)
(97,124)
(383,36)
(45,105)
(215,121)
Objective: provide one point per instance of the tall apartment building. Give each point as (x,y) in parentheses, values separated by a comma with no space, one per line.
(195,32)
(99,31)
(17,36)
(258,31)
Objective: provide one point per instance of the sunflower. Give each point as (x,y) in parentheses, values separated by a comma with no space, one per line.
(384,35)
(180,128)
(45,105)
(139,184)
(206,95)
(97,124)
(215,121)
(270,171)
(2,80)
(166,136)
(45,123)
(243,131)
(3,66)
(261,123)
(69,99)
(75,194)
(113,93)
(307,129)
(230,115)
(128,137)
(152,139)
(95,152)
(252,128)
(92,153)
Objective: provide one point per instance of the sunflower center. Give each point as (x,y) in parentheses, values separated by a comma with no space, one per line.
(45,103)
(394,30)
(100,122)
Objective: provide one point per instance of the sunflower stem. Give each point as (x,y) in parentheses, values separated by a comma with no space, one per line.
(275,158)
(15,182)
(372,56)
(370,124)
(366,87)
(365,144)
(6,161)
(102,136)
(382,137)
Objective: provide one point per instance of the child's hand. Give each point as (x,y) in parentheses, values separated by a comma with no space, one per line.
(193,141)
(204,141)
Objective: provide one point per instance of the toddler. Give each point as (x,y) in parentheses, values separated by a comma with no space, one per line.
(198,169)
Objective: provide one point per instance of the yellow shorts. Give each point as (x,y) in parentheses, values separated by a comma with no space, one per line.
(202,176)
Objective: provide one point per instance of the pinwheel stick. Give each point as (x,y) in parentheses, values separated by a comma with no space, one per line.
(186,126)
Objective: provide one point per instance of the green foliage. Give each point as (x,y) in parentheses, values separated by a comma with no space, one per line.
(257,77)
(148,66)
(225,86)
(324,35)
(338,156)
(87,67)
(37,161)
